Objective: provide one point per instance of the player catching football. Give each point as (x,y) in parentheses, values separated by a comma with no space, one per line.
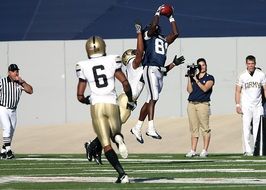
(154,60)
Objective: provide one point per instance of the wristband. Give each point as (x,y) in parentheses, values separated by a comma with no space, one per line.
(237,105)
(171,18)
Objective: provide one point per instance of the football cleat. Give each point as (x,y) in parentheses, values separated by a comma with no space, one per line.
(121,146)
(3,155)
(137,134)
(122,179)
(152,133)
(10,155)
(98,158)
(88,151)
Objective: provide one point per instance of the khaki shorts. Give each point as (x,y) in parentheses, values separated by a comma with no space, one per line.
(199,115)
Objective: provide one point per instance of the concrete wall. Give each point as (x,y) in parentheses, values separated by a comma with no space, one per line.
(50,67)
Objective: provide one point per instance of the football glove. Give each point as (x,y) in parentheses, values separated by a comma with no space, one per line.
(178,61)
(86,100)
(131,105)
(158,12)
(138,26)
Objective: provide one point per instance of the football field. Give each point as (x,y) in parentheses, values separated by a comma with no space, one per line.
(146,171)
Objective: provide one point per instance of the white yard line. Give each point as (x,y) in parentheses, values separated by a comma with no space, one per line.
(231,181)
(145,160)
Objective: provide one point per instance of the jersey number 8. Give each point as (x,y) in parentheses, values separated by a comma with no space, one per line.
(160,46)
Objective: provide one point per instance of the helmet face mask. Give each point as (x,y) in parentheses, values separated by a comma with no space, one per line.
(95,47)
(128,55)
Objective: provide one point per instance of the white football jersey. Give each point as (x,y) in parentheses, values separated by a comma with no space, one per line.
(251,87)
(133,76)
(99,73)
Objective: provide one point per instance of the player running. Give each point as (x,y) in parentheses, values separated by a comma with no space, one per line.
(100,71)
(132,60)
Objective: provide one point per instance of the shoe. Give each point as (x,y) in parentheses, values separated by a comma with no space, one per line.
(98,158)
(248,154)
(3,155)
(123,179)
(121,146)
(152,133)
(10,155)
(137,134)
(204,154)
(191,154)
(88,150)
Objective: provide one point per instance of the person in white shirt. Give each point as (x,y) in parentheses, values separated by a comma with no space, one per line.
(100,72)
(248,99)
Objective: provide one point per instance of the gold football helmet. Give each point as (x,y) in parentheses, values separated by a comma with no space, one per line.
(95,47)
(128,55)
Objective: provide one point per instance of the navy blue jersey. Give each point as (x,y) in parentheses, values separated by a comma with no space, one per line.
(155,48)
(198,95)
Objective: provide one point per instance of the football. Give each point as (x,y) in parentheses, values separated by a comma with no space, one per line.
(166,10)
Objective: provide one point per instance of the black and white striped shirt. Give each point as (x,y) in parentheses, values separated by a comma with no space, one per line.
(10,93)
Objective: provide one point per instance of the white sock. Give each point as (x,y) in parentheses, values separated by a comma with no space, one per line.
(8,148)
(151,124)
(139,125)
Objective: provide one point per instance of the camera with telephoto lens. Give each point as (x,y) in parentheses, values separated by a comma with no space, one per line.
(192,70)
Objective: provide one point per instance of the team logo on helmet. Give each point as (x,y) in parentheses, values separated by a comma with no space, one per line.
(128,55)
(95,47)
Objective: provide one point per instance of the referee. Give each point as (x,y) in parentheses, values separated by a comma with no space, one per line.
(11,88)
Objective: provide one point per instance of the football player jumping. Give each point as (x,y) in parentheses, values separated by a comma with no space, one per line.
(154,67)
(132,60)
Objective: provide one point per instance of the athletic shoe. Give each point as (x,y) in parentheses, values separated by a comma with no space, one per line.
(10,155)
(121,146)
(204,154)
(152,133)
(88,150)
(137,134)
(3,155)
(248,154)
(98,158)
(191,154)
(123,179)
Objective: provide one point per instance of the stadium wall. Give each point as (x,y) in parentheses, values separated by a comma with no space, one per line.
(50,67)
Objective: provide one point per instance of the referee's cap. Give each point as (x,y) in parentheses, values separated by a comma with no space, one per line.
(13,67)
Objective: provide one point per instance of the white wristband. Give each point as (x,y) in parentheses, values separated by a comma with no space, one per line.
(238,105)
(171,19)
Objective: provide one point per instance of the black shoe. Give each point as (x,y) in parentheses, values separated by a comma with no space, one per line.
(10,155)
(88,151)
(122,179)
(3,155)
(98,158)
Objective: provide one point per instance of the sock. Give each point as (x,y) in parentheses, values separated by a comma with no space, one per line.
(139,125)
(151,124)
(3,150)
(113,160)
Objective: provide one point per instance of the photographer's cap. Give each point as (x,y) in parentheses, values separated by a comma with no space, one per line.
(13,67)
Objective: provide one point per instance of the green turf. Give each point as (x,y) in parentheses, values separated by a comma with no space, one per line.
(147,171)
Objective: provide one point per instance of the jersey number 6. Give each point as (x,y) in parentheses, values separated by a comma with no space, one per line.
(100,80)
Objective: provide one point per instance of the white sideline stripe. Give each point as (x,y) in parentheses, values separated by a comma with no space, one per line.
(231,181)
(144,160)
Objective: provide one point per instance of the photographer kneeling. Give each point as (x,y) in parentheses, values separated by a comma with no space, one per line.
(199,87)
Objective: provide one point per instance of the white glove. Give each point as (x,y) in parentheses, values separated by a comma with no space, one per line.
(158,12)
(138,27)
